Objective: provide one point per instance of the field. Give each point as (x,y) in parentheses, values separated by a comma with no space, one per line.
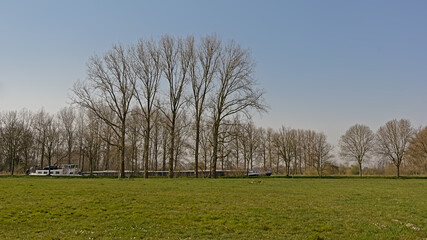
(186,208)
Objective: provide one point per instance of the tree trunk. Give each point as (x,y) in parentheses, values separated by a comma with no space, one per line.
(398,170)
(196,153)
(171,148)
(164,154)
(214,149)
(122,152)
(147,147)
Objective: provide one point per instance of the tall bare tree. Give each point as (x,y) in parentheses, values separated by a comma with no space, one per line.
(393,139)
(235,91)
(11,134)
(356,143)
(147,67)
(28,147)
(203,67)
(283,142)
(40,123)
(92,140)
(52,141)
(67,118)
(176,56)
(110,88)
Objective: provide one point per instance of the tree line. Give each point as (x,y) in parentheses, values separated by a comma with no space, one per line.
(177,103)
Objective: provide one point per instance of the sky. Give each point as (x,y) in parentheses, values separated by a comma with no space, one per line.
(324,65)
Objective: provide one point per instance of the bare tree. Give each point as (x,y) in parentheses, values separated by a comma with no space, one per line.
(92,140)
(147,67)
(28,147)
(235,91)
(67,118)
(322,152)
(176,58)
(40,122)
(283,142)
(356,143)
(110,88)
(237,133)
(270,146)
(202,73)
(52,140)
(134,132)
(11,133)
(393,139)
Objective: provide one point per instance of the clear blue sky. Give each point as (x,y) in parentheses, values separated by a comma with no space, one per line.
(325,65)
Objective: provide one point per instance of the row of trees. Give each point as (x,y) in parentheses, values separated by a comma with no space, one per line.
(80,136)
(394,142)
(178,103)
(76,135)
(207,74)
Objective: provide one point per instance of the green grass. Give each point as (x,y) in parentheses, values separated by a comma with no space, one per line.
(266,208)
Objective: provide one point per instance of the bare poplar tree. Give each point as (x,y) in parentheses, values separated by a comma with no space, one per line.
(28,147)
(393,139)
(135,126)
(202,71)
(11,133)
(41,121)
(284,145)
(176,57)
(67,118)
(356,143)
(52,140)
(110,88)
(235,91)
(147,67)
(92,140)
(270,147)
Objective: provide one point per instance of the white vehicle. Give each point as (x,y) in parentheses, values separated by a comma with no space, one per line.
(66,170)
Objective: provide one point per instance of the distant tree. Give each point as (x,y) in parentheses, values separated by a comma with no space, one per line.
(392,141)
(12,135)
(52,140)
(417,152)
(322,152)
(235,91)
(237,134)
(28,146)
(41,121)
(156,141)
(109,88)
(270,147)
(356,143)
(135,126)
(263,147)
(283,142)
(92,141)
(309,140)
(67,119)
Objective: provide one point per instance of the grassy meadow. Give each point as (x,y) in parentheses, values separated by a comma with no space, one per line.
(186,208)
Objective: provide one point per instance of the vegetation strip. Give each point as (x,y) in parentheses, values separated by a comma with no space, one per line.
(184,208)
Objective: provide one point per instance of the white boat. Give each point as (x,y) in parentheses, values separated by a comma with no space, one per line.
(66,170)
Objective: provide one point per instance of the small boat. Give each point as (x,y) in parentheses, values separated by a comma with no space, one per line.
(66,170)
